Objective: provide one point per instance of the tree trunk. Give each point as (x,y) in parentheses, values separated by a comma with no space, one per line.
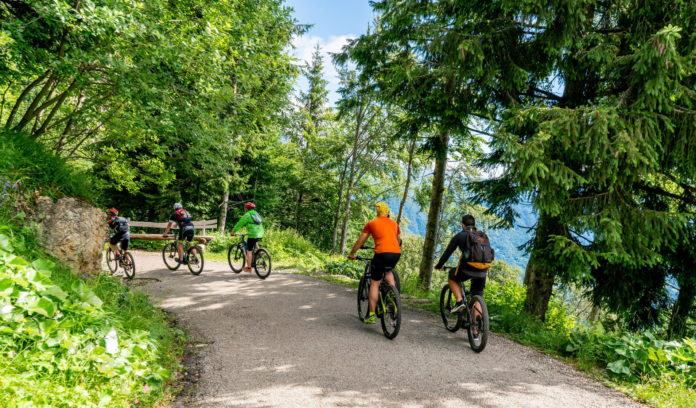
(426,265)
(409,172)
(337,215)
(594,313)
(685,302)
(223,209)
(539,276)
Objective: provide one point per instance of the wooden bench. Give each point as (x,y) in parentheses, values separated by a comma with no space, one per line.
(200,225)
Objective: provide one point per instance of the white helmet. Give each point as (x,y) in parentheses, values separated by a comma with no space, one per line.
(178,206)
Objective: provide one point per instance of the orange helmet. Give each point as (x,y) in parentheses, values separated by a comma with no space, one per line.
(112,211)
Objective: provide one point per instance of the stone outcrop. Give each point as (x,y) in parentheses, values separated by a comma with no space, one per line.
(71,230)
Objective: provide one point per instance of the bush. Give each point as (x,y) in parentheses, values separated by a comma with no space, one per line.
(72,341)
(26,161)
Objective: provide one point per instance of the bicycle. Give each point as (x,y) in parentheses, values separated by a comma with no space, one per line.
(193,256)
(126,262)
(260,258)
(388,307)
(476,313)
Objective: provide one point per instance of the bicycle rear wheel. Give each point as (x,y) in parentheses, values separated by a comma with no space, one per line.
(447,302)
(195,260)
(236,258)
(397,280)
(478,324)
(262,263)
(169,255)
(391,312)
(363,297)
(111,261)
(128,266)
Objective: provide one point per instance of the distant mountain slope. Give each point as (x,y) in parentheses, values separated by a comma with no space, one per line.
(504,241)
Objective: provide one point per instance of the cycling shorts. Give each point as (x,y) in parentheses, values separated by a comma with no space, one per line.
(123,238)
(478,284)
(381,262)
(186,233)
(251,243)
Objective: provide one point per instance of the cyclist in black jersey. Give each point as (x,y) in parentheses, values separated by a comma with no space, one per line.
(184,221)
(463,271)
(121,232)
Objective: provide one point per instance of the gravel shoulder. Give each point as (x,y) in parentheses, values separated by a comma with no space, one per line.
(295,341)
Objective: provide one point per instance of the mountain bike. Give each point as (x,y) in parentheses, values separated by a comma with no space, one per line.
(193,256)
(388,307)
(126,262)
(260,258)
(474,318)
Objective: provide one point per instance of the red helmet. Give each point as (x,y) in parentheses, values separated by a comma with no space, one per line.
(112,211)
(249,205)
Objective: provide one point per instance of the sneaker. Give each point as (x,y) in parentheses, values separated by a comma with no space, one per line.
(458,307)
(177,260)
(370,319)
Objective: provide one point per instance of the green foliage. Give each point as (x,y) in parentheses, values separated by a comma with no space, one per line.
(29,162)
(71,341)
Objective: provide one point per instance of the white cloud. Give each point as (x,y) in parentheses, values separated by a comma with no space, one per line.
(302,52)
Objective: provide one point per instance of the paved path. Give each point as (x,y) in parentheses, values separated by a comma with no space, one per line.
(294,341)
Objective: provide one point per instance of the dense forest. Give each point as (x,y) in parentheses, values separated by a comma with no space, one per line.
(578,116)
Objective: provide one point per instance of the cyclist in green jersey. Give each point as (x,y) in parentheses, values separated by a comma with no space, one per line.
(252,221)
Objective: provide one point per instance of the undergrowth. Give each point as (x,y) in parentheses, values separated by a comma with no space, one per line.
(77,341)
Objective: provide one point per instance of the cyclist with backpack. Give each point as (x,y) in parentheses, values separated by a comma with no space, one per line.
(121,232)
(184,221)
(476,257)
(252,221)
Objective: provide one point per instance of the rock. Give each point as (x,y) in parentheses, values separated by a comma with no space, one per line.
(71,230)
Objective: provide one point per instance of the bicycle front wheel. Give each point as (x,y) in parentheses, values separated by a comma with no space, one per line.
(128,266)
(195,260)
(447,302)
(236,258)
(111,261)
(478,324)
(169,256)
(262,264)
(391,311)
(363,297)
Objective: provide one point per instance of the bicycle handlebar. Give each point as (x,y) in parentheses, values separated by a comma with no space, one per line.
(360,258)
(366,247)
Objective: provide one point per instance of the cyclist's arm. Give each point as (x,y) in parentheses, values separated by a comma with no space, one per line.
(448,252)
(169,227)
(361,240)
(242,222)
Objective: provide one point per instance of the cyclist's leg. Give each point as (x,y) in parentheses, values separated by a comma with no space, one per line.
(125,242)
(113,243)
(453,280)
(389,261)
(188,236)
(377,274)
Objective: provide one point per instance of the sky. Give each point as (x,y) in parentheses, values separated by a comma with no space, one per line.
(333,22)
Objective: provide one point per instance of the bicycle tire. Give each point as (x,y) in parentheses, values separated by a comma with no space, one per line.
(391,316)
(169,255)
(478,322)
(234,254)
(447,300)
(363,297)
(397,280)
(129,266)
(262,263)
(195,260)
(111,261)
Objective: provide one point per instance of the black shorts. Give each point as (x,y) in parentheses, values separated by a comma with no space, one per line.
(382,262)
(186,234)
(123,238)
(251,243)
(478,282)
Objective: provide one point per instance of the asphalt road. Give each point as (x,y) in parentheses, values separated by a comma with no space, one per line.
(294,341)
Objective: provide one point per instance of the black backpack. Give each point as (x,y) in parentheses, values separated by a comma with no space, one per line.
(120,224)
(481,254)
